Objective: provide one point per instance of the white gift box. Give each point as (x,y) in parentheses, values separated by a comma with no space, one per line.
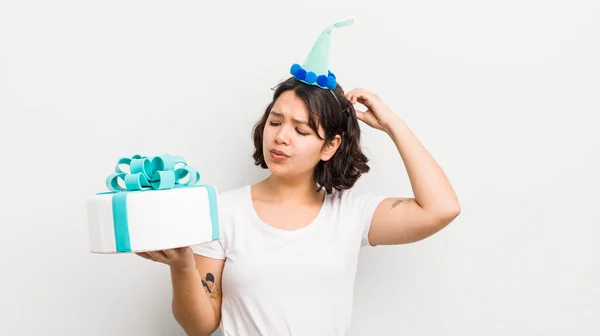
(152,220)
(152,204)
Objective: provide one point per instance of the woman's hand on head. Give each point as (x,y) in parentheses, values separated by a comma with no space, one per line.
(378,115)
(176,258)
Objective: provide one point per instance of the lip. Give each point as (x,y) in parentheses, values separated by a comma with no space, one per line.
(278,155)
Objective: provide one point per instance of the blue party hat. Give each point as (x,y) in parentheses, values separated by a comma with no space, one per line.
(315,70)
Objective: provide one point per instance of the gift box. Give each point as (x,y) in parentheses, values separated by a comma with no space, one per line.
(152,204)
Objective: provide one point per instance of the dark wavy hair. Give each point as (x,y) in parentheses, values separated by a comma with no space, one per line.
(337,117)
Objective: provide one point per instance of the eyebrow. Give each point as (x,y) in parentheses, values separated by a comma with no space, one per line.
(278,114)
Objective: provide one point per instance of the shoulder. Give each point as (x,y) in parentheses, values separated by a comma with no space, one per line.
(354,209)
(356,203)
(355,198)
(233,204)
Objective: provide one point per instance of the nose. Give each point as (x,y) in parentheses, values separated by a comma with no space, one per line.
(282,135)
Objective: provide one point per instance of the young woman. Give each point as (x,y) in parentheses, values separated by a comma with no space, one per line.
(287,258)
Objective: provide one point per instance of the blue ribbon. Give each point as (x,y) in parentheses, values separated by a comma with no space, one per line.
(160,172)
(145,174)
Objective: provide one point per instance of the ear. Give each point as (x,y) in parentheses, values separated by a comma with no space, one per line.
(330,148)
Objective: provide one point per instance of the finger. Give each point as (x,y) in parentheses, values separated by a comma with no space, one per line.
(144,255)
(349,93)
(157,256)
(354,91)
(360,115)
(170,253)
(365,101)
(357,95)
(351,96)
(364,97)
(183,250)
(361,96)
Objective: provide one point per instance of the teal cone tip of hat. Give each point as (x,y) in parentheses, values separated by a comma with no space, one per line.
(315,70)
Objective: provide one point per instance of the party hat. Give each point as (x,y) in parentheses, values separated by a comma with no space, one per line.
(315,70)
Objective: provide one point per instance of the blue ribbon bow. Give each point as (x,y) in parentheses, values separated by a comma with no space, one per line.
(160,172)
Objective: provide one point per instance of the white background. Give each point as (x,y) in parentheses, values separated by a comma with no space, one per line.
(504,94)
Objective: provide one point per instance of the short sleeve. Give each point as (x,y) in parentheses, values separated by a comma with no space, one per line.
(365,205)
(212,249)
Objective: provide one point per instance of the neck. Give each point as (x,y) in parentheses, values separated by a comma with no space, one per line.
(291,189)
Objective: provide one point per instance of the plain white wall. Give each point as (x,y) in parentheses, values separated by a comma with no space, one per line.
(504,94)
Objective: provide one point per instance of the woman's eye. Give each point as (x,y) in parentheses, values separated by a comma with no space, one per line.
(274,123)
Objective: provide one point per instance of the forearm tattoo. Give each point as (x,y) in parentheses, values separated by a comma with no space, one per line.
(210,287)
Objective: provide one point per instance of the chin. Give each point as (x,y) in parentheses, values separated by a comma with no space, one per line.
(278,170)
(286,173)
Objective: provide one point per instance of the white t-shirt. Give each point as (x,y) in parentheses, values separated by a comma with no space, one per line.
(279,282)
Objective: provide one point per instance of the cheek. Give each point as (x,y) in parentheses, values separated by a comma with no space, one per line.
(266,134)
(311,150)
